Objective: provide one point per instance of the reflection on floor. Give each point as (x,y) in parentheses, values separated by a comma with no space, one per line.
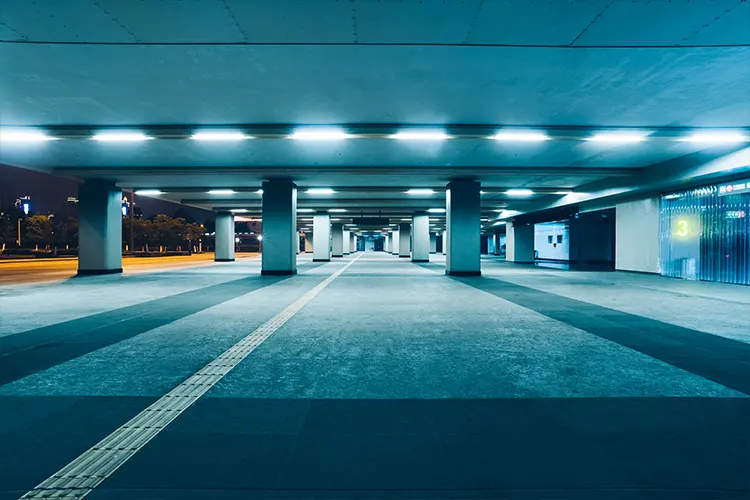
(396,381)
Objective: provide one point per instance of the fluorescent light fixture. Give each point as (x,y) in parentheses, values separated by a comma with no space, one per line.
(221,191)
(618,137)
(219,135)
(499,223)
(115,136)
(418,192)
(149,192)
(420,135)
(717,137)
(11,135)
(672,196)
(436,210)
(320,191)
(406,220)
(518,136)
(238,210)
(519,192)
(260,191)
(337,210)
(562,192)
(319,134)
(305,210)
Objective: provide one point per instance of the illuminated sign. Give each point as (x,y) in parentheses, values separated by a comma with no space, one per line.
(734,188)
(682,228)
(735,214)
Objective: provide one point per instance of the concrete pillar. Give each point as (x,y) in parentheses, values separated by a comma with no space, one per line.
(308,242)
(433,242)
(346,242)
(224,238)
(445,242)
(352,243)
(387,243)
(321,237)
(519,242)
(463,212)
(99,228)
(280,236)
(395,241)
(496,243)
(337,240)
(404,243)
(420,250)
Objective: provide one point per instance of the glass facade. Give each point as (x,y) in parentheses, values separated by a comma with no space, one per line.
(705,234)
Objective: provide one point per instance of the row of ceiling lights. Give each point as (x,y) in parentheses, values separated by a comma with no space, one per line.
(329,191)
(409,134)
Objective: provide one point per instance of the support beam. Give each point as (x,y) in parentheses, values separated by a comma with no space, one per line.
(99,228)
(347,241)
(387,243)
(404,240)
(352,242)
(519,242)
(337,240)
(433,242)
(224,237)
(463,212)
(420,251)
(280,236)
(395,240)
(321,237)
(445,242)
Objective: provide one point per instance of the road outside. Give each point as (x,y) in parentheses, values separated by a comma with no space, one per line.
(45,270)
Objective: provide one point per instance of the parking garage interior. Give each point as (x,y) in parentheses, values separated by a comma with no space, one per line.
(498,250)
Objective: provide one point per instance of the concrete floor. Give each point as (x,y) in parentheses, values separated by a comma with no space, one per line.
(395,381)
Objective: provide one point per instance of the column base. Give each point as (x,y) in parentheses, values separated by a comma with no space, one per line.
(223,260)
(96,272)
(321,260)
(337,255)
(282,272)
(463,273)
(420,260)
(404,256)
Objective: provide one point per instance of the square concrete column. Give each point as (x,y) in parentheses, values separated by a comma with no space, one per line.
(463,212)
(433,242)
(420,250)
(99,228)
(347,241)
(337,240)
(224,237)
(321,237)
(280,236)
(386,242)
(395,241)
(519,242)
(352,243)
(445,242)
(404,240)
(308,242)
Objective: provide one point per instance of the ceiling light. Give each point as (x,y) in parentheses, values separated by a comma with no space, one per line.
(238,210)
(519,192)
(219,135)
(436,210)
(319,134)
(221,191)
(499,223)
(24,136)
(421,135)
(618,137)
(111,136)
(562,192)
(305,210)
(717,137)
(418,192)
(520,136)
(149,192)
(260,191)
(320,191)
(337,210)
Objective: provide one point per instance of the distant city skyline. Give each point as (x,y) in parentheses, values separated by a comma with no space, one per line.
(49,193)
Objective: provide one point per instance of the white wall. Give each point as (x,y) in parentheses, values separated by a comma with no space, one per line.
(637,236)
(554,250)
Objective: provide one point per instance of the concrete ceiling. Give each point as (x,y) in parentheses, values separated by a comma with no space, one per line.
(193,63)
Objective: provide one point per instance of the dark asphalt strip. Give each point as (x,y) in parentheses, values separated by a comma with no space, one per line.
(713,357)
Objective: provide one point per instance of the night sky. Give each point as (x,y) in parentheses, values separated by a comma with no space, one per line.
(50,192)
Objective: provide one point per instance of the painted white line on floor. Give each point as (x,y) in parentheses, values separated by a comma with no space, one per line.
(82,475)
